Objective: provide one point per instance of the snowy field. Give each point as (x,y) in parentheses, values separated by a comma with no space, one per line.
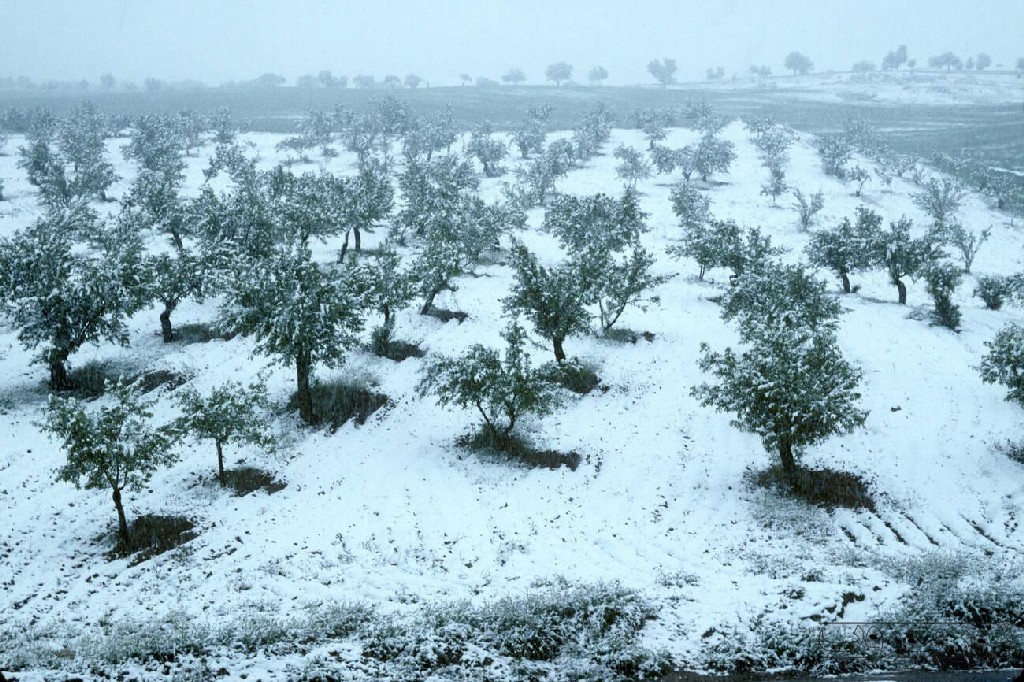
(394,514)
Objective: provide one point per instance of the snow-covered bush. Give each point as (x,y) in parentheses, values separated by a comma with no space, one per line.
(807,207)
(553,298)
(942,279)
(1004,361)
(299,313)
(940,199)
(60,296)
(835,151)
(529,135)
(994,290)
(487,150)
(632,167)
(901,255)
(965,241)
(502,387)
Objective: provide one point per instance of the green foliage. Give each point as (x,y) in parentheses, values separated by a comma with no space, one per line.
(792,387)
(940,199)
(713,156)
(808,207)
(554,299)
(723,243)
(114,447)
(994,290)
(229,414)
(901,255)
(691,206)
(592,133)
(1004,361)
(60,296)
(596,223)
(776,185)
(966,242)
(155,144)
(633,166)
(298,312)
(942,279)
(487,150)
(835,151)
(780,297)
(847,247)
(501,388)
(626,280)
(389,286)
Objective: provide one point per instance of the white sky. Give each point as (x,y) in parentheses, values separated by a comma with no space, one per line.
(219,40)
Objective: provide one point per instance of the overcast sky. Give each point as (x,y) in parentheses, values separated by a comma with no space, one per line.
(221,40)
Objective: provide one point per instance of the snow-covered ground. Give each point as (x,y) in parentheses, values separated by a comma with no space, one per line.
(904,87)
(393,513)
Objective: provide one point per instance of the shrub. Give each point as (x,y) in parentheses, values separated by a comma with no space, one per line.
(835,152)
(501,389)
(942,279)
(808,207)
(1004,362)
(994,290)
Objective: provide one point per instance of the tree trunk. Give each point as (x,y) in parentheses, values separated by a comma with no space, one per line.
(344,248)
(122,522)
(428,303)
(58,373)
(176,240)
(220,463)
(902,289)
(789,466)
(303,396)
(165,322)
(846,283)
(556,342)
(386,309)
(357,235)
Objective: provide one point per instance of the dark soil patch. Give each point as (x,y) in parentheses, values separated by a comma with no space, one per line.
(629,336)
(574,376)
(200,333)
(400,350)
(447,315)
(822,487)
(336,402)
(150,381)
(514,449)
(89,381)
(152,535)
(245,480)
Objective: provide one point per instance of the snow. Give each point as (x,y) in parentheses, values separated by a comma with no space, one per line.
(393,513)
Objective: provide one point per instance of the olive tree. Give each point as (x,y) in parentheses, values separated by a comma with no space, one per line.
(791,386)
(501,387)
(60,295)
(115,447)
(298,312)
(229,413)
(847,247)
